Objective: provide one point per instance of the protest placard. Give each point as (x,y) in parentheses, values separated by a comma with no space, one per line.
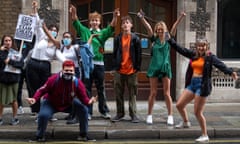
(25,27)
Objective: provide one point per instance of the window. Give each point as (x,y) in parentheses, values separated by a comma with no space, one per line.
(228,29)
(100,6)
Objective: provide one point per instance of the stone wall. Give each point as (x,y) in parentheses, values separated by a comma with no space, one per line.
(53,12)
(9,10)
(201,21)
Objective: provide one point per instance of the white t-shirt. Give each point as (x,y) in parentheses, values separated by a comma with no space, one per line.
(70,53)
(41,50)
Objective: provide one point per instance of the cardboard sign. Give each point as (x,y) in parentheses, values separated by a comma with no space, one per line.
(25,28)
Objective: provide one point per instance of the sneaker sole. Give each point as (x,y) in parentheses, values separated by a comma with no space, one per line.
(106,117)
(171,124)
(117,120)
(149,123)
(181,127)
(14,123)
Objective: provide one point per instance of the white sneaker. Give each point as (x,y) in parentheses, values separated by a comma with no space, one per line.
(89,117)
(20,110)
(149,119)
(202,139)
(170,120)
(53,119)
(183,125)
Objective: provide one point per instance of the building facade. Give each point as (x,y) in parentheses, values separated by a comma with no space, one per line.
(217,20)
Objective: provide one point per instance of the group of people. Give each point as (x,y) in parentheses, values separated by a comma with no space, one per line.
(70,89)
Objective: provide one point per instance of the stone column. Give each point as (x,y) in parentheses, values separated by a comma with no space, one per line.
(200,21)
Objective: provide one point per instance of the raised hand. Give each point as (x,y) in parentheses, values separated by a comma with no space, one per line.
(183,13)
(34,8)
(116,12)
(73,12)
(34,4)
(140,14)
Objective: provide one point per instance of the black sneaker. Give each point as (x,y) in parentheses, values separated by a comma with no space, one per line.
(14,121)
(69,116)
(38,139)
(135,119)
(1,121)
(86,138)
(117,118)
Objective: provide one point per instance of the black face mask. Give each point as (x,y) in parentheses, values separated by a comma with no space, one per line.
(67,76)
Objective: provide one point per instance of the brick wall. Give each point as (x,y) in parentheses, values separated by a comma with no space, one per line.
(9,10)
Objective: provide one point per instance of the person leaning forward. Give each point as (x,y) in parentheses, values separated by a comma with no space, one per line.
(60,92)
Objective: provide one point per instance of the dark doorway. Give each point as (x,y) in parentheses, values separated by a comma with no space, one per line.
(228,29)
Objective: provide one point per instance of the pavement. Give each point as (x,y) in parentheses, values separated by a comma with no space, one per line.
(223,121)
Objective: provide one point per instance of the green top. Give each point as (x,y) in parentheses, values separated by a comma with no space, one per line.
(160,65)
(97,43)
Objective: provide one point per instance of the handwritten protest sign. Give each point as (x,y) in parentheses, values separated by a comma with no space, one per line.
(25,27)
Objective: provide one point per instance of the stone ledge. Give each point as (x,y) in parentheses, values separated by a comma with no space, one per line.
(64,134)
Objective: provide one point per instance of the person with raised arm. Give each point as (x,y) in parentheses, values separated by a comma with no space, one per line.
(159,67)
(39,66)
(198,83)
(98,74)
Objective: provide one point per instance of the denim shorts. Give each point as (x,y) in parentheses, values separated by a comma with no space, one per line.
(195,85)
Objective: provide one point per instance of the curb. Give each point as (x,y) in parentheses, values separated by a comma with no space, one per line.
(67,134)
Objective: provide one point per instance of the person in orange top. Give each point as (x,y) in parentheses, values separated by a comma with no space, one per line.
(198,82)
(127,62)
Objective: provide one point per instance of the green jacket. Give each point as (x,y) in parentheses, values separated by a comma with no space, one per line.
(97,43)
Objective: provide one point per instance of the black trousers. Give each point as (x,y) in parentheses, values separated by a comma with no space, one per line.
(20,86)
(37,73)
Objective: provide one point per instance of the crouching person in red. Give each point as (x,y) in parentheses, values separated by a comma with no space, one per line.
(60,93)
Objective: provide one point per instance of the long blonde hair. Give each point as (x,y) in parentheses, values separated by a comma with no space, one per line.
(160,23)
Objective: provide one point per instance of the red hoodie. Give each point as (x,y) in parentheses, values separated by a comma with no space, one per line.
(58,92)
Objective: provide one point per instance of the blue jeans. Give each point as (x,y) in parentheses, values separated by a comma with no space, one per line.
(98,77)
(47,111)
(195,85)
